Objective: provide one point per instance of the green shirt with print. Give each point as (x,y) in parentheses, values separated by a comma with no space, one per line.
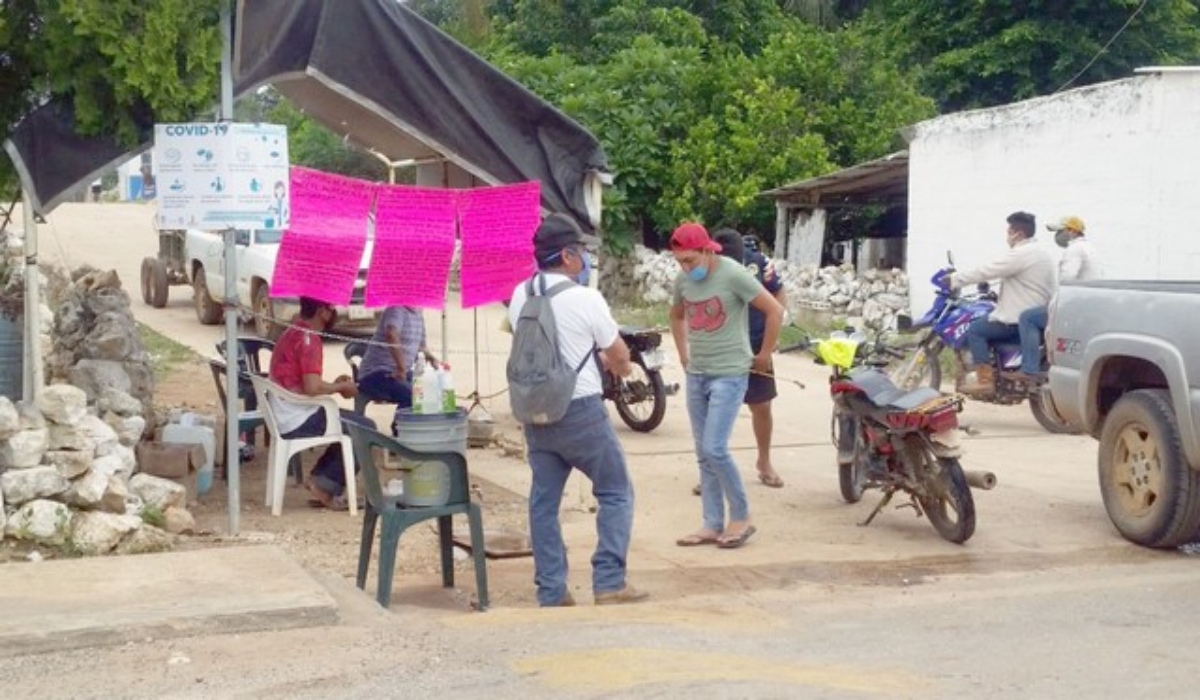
(715,312)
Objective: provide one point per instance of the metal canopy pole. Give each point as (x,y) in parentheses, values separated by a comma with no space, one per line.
(33,380)
(233,466)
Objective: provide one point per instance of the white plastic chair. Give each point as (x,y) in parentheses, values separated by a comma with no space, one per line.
(282,449)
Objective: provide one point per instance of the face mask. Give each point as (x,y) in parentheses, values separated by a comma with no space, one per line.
(698,273)
(586,273)
(1062,238)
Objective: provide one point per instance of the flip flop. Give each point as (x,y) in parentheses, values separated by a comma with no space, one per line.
(771,480)
(696,490)
(738,541)
(697,540)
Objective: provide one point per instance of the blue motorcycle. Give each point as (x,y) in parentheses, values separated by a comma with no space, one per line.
(943,331)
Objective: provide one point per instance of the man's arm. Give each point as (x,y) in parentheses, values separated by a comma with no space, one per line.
(393,340)
(679,333)
(773,311)
(314,385)
(1006,266)
(616,357)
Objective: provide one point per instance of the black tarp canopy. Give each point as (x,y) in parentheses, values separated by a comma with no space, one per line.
(378,74)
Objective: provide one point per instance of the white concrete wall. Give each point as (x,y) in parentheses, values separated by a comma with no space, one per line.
(1124,156)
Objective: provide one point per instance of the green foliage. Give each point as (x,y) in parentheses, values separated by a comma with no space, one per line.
(465,20)
(127,63)
(990,52)
(312,145)
(696,127)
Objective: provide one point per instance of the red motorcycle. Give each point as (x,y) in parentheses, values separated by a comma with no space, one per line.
(897,440)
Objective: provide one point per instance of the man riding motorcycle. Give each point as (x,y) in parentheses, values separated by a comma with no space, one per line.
(1027,279)
(1079,262)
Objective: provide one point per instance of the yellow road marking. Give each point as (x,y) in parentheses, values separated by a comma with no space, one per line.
(601,670)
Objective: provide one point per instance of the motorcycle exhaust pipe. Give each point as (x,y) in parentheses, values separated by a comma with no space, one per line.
(980,480)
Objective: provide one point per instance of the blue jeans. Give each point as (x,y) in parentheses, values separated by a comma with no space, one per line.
(329,473)
(713,404)
(383,386)
(583,439)
(1032,325)
(982,334)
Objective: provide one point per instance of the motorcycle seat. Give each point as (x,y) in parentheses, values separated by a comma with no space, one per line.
(881,391)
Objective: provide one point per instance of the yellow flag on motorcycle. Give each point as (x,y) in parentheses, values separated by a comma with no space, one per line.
(837,352)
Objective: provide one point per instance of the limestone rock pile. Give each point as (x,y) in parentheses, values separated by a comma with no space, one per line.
(67,475)
(875,296)
(96,342)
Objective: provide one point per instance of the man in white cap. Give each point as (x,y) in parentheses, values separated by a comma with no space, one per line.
(1078,263)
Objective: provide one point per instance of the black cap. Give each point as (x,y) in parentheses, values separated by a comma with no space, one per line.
(556,232)
(731,244)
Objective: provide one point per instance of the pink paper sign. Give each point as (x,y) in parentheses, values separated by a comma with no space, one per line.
(321,252)
(497,225)
(414,244)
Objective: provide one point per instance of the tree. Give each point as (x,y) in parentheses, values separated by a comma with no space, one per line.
(696,126)
(121,64)
(989,52)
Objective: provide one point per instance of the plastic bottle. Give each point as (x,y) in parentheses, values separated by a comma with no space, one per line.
(446,384)
(418,389)
(431,397)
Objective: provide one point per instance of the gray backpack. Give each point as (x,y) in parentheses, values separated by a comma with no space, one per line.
(540,384)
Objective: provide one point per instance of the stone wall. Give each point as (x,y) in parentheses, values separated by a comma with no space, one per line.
(870,300)
(96,344)
(67,476)
(67,465)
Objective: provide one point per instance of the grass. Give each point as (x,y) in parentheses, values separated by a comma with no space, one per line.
(165,354)
(643,316)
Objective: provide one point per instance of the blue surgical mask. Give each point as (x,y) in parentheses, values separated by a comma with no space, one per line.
(698,273)
(586,273)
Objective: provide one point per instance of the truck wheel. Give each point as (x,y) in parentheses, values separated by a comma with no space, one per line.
(264,313)
(148,280)
(1038,408)
(155,285)
(207,310)
(1150,492)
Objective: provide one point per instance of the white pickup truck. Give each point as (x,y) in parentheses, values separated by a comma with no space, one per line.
(204,255)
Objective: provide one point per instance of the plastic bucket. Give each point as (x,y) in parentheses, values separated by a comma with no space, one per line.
(427,481)
(431,432)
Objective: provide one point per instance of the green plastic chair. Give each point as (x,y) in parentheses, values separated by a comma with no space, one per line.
(397,517)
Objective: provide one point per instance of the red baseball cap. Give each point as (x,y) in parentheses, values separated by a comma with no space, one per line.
(692,236)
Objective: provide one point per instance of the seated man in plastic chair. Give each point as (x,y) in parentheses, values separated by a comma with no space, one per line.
(385,374)
(296,365)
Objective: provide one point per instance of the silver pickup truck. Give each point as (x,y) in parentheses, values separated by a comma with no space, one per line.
(1125,367)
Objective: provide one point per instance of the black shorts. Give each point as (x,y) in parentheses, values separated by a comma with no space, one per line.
(760,388)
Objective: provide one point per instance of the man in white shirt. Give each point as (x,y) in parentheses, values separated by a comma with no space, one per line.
(1026,274)
(584,438)
(1079,262)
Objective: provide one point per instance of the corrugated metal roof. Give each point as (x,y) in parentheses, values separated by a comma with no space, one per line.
(880,181)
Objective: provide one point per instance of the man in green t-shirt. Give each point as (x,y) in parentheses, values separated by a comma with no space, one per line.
(709,315)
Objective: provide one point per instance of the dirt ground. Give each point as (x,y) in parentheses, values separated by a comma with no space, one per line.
(1044,601)
(320,539)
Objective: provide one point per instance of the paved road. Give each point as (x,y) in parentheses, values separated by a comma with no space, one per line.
(1044,600)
